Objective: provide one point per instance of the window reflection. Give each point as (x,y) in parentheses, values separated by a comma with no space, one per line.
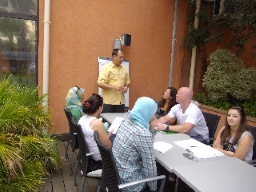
(18,52)
(19,6)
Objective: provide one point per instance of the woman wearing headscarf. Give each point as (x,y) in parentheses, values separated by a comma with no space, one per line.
(73,101)
(133,146)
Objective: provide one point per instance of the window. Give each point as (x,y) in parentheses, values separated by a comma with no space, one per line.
(18,40)
(218,7)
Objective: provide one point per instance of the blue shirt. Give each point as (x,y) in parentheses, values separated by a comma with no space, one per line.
(134,154)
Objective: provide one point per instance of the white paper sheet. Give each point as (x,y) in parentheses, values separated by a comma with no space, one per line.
(162,146)
(199,149)
(116,124)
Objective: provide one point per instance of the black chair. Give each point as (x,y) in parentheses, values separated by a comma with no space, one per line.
(87,164)
(110,180)
(212,124)
(253,132)
(72,140)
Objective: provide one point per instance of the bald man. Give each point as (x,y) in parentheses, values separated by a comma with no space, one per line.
(190,119)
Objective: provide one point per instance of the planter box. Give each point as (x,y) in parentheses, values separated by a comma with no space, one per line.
(250,120)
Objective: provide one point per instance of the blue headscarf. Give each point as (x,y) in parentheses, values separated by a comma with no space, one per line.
(74,98)
(143,111)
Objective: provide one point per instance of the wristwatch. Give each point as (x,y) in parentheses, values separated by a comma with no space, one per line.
(167,128)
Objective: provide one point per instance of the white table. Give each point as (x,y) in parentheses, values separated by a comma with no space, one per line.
(174,157)
(220,175)
(110,117)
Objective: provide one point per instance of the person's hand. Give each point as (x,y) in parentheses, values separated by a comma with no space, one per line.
(161,126)
(216,145)
(118,88)
(124,89)
(110,133)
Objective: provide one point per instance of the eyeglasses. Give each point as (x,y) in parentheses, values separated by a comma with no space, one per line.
(236,107)
(78,88)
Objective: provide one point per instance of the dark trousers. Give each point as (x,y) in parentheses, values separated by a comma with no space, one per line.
(107,108)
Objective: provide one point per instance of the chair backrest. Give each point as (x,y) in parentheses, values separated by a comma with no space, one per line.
(110,177)
(87,164)
(72,130)
(211,122)
(253,131)
(83,149)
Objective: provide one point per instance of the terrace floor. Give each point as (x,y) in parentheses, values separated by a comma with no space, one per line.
(61,181)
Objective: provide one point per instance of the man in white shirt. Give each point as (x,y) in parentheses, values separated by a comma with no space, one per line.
(190,119)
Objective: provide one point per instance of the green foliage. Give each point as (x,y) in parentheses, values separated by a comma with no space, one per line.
(249,105)
(226,78)
(239,17)
(27,151)
(200,35)
(20,109)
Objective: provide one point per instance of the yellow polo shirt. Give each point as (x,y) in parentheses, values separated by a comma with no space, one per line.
(117,76)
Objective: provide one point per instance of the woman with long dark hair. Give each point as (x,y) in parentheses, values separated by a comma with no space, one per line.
(235,139)
(166,103)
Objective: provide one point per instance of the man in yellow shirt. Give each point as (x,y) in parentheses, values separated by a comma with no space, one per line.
(114,82)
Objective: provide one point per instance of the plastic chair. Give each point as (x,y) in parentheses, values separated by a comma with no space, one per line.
(212,124)
(110,180)
(72,141)
(87,164)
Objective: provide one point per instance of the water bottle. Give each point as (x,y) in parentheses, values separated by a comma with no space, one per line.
(106,125)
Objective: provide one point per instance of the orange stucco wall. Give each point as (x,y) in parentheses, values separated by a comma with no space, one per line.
(81,31)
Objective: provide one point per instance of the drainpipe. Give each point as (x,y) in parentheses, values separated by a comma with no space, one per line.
(46,52)
(193,57)
(173,40)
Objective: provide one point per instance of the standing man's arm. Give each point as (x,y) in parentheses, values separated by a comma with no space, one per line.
(103,79)
(103,85)
(127,83)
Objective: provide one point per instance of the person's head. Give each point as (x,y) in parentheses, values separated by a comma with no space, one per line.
(235,120)
(170,94)
(170,97)
(184,95)
(117,56)
(93,104)
(143,111)
(236,116)
(74,97)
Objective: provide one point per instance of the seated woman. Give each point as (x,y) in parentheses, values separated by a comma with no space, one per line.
(92,107)
(166,103)
(73,101)
(133,146)
(235,139)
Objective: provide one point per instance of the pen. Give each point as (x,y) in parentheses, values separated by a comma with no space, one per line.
(159,151)
(190,152)
(193,146)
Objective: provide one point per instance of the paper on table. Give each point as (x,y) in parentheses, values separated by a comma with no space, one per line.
(199,149)
(162,146)
(116,124)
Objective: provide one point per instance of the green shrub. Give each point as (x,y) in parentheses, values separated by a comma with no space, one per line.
(249,105)
(226,78)
(26,149)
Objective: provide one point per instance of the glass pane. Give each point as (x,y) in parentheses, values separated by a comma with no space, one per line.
(28,7)
(18,46)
